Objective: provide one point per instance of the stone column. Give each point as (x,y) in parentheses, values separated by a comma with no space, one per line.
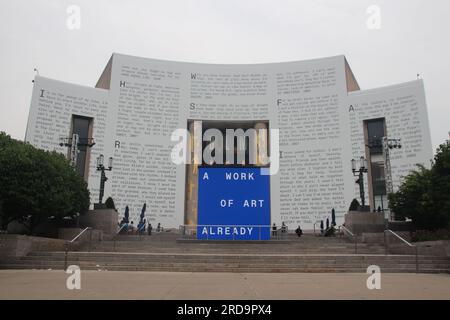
(191,204)
(262,143)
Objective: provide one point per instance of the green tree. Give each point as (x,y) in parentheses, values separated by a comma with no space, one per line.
(36,185)
(424,195)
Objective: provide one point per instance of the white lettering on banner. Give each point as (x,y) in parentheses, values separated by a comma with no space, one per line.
(241,176)
(240,231)
(253,203)
(247,203)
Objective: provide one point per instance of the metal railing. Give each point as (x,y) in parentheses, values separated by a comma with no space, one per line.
(68,244)
(321,230)
(280,233)
(386,245)
(344,231)
(117,233)
(227,232)
(314,226)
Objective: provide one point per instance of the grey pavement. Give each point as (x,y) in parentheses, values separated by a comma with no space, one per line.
(51,284)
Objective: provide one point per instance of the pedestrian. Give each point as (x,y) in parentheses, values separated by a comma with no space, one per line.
(274,230)
(131,228)
(149,229)
(299,231)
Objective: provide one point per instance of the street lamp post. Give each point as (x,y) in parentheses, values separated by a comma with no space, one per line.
(360,174)
(389,144)
(74,143)
(103,178)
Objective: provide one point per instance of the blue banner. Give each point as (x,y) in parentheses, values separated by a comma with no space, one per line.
(233,204)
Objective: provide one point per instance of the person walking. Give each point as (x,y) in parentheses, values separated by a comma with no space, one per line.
(274,230)
(149,229)
(131,228)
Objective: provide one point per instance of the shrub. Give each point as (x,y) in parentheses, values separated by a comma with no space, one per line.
(109,203)
(354,205)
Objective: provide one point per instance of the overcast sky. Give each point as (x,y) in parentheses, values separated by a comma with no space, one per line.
(413,38)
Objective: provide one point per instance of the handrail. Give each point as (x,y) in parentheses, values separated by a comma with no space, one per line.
(117,233)
(68,243)
(348,231)
(120,229)
(314,226)
(83,231)
(355,238)
(398,236)
(416,248)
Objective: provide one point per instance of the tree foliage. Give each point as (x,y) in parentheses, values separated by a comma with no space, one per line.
(36,185)
(424,195)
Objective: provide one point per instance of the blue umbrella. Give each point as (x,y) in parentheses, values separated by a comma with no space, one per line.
(126,214)
(143,212)
(333,217)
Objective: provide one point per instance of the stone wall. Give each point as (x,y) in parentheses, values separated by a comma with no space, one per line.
(13,245)
(71,233)
(102,219)
(359,222)
(400,226)
(430,248)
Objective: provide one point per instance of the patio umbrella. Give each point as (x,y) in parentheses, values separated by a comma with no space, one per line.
(328,223)
(333,217)
(143,212)
(126,214)
(321,224)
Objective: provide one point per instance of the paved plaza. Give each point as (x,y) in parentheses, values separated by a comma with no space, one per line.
(51,284)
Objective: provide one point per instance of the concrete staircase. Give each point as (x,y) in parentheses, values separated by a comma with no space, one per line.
(165,252)
(170,243)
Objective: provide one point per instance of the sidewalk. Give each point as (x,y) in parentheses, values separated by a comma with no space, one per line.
(46,284)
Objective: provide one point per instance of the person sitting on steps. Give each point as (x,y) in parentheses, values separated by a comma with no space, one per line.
(299,231)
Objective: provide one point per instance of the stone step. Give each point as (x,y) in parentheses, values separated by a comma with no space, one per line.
(167,265)
(162,252)
(224,261)
(223,258)
(230,262)
(255,255)
(231,269)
